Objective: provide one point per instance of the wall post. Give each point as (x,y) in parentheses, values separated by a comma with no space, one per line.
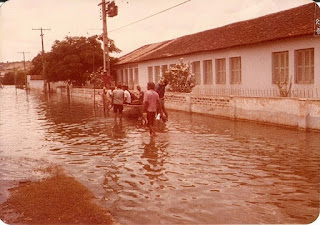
(303,112)
(188,103)
(233,108)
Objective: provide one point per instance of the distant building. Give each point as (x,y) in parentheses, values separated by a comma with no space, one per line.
(257,54)
(35,82)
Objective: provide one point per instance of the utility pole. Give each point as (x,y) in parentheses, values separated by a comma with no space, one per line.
(111,10)
(43,59)
(106,65)
(25,71)
(15,79)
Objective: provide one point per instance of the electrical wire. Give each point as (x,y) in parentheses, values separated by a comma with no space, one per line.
(150,16)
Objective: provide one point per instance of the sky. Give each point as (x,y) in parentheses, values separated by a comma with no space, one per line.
(64,18)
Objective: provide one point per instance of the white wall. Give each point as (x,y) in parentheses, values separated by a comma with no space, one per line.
(256,63)
(55,85)
(35,84)
(294,112)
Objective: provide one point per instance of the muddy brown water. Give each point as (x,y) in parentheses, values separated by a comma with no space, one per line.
(198,170)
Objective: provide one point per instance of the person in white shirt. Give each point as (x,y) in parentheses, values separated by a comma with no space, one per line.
(117,100)
(109,96)
(127,96)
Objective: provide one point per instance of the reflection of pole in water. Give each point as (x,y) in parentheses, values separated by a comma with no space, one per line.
(25,70)
(94,94)
(14,76)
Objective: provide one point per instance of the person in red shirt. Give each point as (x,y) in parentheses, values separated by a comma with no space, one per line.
(151,103)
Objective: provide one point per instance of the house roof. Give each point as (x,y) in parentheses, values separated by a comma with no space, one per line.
(290,23)
(36,77)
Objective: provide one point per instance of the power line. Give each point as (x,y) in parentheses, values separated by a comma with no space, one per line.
(150,16)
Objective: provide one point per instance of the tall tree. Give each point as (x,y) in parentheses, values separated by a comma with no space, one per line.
(8,78)
(11,78)
(72,59)
(36,68)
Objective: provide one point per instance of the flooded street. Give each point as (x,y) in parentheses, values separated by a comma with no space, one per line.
(198,170)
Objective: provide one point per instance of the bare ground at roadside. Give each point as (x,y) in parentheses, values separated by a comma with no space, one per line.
(57,199)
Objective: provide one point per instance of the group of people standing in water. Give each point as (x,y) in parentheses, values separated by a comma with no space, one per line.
(152,101)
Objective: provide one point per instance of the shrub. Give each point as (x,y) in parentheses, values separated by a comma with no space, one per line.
(180,78)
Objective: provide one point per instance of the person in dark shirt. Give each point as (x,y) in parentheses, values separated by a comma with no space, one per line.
(140,94)
(161,89)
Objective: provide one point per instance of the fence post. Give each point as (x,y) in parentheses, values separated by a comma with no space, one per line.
(188,103)
(303,113)
(233,108)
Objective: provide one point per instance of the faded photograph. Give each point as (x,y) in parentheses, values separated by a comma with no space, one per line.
(159,112)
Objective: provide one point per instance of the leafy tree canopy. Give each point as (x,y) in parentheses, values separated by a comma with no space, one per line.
(72,59)
(11,78)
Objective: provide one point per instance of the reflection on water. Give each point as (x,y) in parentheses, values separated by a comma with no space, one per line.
(197,170)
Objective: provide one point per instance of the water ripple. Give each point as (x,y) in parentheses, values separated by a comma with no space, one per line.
(197,170)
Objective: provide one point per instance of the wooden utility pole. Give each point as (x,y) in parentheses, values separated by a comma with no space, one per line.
(43,59)
(25,70)
(106,63)
(111,10)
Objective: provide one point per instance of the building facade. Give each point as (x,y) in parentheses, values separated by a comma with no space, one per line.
(35,82)
(258,57)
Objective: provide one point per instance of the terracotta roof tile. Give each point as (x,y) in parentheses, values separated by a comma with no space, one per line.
(36,77)
(290,23)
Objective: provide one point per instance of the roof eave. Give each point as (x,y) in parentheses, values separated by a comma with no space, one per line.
(216,49)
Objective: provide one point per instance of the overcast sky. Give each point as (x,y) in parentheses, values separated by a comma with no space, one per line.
(82,18)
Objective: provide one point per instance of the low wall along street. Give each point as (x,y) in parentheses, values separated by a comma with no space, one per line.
(294,112)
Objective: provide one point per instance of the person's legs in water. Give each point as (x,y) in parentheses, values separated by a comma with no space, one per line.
(151,117)
(163,111)
(115,108)
(120,112)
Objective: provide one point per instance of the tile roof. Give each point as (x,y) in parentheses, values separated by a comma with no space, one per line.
(290,23)
(36,77)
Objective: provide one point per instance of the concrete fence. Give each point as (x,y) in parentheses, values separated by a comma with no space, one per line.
(295,112)
(88,93)
(310,93)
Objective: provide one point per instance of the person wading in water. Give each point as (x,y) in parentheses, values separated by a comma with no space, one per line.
(161,89)
(151,106)
(117,101)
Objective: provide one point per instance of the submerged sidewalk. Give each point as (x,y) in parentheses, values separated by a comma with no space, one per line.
(56,199)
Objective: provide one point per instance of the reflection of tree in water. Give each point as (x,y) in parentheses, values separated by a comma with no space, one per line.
(155,154)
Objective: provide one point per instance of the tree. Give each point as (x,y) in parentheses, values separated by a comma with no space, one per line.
(72,59)
(10,78)
(36,62)
(180,78)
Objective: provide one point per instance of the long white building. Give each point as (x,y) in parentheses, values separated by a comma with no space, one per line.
(250,56)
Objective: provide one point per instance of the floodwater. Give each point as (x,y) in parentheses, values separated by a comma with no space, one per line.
(198,170)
